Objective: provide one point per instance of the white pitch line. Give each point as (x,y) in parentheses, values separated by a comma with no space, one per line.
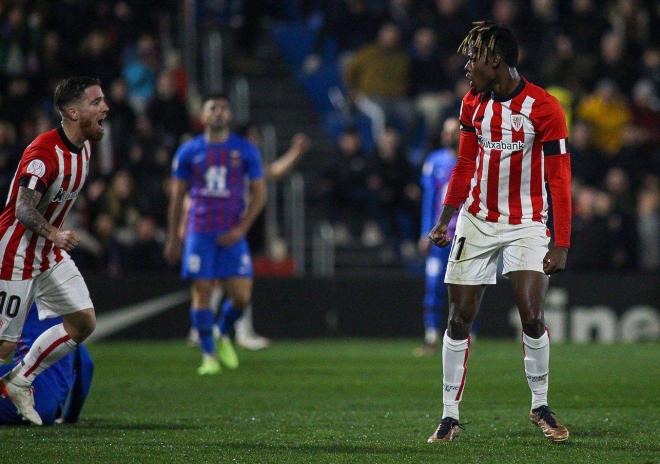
(114,321)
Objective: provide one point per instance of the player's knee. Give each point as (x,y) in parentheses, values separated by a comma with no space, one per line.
(81,325)
(201,294)
(6,348)
(533,327)
(459,326)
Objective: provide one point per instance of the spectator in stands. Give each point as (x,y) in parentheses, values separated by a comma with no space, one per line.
(140,67)
(621,218)
(591,239)
(350,24)
(96,58)
(121,119)
(588,164)
(169,116)
(16,104)
(54,61)
(393,184)
(378,80)
(429,86)
(648,224)
(646,112)
(145,253)
(118,201)
(342,188)
(110,257)
(402,13)
(607,113)
(614,63)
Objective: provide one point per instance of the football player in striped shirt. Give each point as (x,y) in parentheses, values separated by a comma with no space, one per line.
(222,172)
(512,146)
(34,263)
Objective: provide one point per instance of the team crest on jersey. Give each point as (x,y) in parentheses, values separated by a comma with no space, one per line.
(516,121)
(235,156)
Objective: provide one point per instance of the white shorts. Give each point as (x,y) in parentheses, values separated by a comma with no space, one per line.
(477,245)
(60,290)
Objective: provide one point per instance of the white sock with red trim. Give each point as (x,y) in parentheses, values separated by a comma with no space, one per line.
(46,350)
(454,369)
(537,361)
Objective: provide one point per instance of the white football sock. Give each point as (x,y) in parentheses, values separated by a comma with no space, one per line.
(431,336)
(46,350)
(454,369)
(537,361)
(244,327)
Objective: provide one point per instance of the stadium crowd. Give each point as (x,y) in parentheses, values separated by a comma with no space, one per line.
(600,59)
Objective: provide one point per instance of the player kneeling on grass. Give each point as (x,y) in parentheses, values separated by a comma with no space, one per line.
(60,392)
(513,141)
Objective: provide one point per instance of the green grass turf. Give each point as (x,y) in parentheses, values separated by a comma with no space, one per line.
(351,401)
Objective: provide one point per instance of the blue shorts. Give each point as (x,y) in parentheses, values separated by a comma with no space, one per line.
(203,258)
(436,266)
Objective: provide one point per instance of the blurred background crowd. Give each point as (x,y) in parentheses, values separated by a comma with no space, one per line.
(400,80)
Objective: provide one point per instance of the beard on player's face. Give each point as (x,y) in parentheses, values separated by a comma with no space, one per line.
(90,129)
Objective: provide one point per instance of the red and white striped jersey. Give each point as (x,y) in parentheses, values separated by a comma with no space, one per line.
(514,135)
(52,165)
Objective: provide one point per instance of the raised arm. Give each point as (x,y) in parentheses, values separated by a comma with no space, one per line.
(279,168)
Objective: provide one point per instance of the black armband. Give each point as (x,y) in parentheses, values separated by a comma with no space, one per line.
(33,183)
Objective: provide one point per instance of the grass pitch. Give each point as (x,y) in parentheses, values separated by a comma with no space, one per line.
(351,401)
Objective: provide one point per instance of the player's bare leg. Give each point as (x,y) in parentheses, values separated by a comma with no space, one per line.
(529,288)
(464,302)
(239,293)
(80,325)
(202,319)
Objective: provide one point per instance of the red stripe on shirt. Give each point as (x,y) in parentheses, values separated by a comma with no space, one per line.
(10,252)
(29,257)
(476,191)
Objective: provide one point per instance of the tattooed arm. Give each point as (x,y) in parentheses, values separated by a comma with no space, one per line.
(28,215)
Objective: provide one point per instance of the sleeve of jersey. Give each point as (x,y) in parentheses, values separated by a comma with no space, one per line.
(254,169)
(37,169)
(181,165)
(428,199)
(551,124)
(459,183)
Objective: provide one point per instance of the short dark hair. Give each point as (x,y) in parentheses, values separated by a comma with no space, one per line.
(491,39)
(71,88)
(216,96)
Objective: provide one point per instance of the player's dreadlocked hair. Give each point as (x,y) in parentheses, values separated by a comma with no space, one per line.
(489,39)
